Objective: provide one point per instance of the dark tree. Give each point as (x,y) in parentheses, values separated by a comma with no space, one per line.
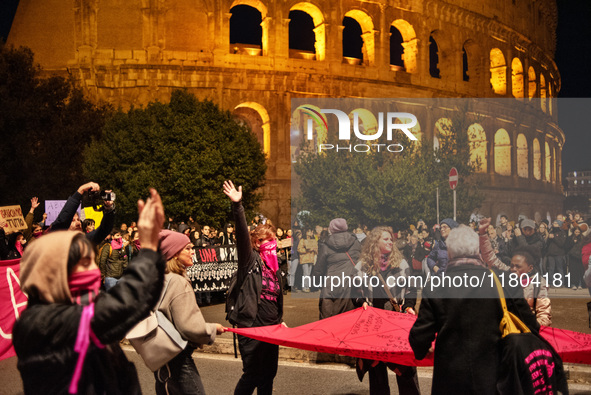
(185,149)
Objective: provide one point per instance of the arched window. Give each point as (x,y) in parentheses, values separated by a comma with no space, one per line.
(498,71)
(358,38)
(256,117)
(517,78)
(543,92)
(434,58)
(396,49)
(409,44)
(477,138)
(502,153)
(531,75)
(246,32)
(537,165)
(522,160)
(465,75)
(548,162)
(307,32)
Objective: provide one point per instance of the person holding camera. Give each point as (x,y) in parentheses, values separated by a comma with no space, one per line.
(69,219)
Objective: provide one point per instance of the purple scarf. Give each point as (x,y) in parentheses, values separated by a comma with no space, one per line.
(268,252)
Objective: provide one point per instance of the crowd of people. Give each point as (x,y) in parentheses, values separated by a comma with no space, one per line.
(99,282)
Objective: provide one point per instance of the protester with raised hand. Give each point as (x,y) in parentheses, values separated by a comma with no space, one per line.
(259,301)
(69,219)
(67,339)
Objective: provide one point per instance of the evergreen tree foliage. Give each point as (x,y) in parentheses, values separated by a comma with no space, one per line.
(45,122)
(396,189)
(185,149)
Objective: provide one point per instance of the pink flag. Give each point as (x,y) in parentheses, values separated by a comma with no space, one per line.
(12,303)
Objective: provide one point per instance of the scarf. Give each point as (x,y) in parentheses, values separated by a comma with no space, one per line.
(136,244)
(84,286)
(384,262)
(19,247)
(268,252)
(117,244)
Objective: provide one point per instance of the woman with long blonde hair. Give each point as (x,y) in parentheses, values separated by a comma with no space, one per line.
(381,258)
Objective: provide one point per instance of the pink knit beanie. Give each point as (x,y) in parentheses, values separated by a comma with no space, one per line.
(171,243)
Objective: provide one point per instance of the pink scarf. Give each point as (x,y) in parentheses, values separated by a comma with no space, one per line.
(84,285)
(85,336)
(19,247)
(384,262)
(268,252)
(117,243)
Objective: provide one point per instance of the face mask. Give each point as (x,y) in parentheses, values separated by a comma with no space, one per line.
(84,286)
(37,234)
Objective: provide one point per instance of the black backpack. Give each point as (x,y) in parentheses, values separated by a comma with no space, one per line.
(234,290)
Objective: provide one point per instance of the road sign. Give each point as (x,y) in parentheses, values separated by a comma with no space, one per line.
(453,178)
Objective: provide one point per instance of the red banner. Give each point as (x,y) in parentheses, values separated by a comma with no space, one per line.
(383,335)
(12,303)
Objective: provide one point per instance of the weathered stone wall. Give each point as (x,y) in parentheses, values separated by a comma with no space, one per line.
(137,51)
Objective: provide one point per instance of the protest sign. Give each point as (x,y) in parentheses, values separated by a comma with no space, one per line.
(11,219)
(12,303)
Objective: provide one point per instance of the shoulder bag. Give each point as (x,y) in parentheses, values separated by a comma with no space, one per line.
(156,339)
(528,363)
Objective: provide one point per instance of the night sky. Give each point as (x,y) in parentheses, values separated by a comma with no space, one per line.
(573,57)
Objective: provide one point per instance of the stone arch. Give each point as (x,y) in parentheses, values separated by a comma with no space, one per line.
(537,160)
(434,58)
(471,61)
(517,82)
(531,76)
(307,117)
(547,162)
(409,44)
(502,151)
(543,91)
(319,29)
(522,156)
(257,117)
(498,71)
(367,123)
(253,38)
(477,138)
(368,48)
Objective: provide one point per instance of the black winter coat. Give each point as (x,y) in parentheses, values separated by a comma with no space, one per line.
(249,276)
(467,348)
(45,334)
(332,261)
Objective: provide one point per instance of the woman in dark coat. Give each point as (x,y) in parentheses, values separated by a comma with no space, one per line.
(259,301)
(337,256)
(59,273)
(464,322)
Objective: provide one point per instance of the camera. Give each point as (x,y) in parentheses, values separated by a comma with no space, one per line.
(96,199)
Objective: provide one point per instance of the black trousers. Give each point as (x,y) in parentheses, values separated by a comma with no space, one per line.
(259,366)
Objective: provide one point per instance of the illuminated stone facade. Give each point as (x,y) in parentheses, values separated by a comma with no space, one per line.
(136,51)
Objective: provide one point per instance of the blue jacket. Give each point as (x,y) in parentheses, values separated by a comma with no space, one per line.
(438,256)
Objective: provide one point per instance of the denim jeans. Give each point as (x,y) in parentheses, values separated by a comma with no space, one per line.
(556,265)
(293,268)
(179,376)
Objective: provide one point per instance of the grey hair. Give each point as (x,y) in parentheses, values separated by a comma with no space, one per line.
(462,242)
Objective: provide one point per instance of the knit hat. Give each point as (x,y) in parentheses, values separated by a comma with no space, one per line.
(450,222)
(44,267)
(528,223)
(337,225)
(171,243)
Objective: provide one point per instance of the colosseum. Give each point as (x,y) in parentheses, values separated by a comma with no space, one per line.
(253,56)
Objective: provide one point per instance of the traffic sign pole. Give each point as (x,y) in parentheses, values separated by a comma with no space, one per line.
(453,183)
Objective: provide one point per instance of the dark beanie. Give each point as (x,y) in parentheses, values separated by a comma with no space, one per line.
(337,225)
(171,243)
(450,222)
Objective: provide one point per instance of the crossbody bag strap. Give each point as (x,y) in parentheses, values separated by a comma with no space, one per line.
(162,294)
(389,293)
(510,323)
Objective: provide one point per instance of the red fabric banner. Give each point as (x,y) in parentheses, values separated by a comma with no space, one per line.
(12,303)
(372,334)
(383,335)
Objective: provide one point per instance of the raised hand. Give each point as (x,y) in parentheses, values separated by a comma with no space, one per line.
(151,219)
(483,226)
(34,203)
(234,194)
